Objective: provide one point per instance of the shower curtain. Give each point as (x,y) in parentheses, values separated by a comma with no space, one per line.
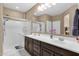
(76,23)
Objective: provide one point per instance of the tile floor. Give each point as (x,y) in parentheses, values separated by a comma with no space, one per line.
(10,50)
(15,52)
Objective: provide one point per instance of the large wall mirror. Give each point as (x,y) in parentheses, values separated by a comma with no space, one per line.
(59,20)
(56,27)
(38,27)
(48,26)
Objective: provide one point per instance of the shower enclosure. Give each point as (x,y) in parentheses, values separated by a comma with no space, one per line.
(13,35)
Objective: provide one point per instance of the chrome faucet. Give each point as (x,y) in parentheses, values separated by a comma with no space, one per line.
(51,36)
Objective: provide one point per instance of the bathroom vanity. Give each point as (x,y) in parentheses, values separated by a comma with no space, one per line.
(44,46)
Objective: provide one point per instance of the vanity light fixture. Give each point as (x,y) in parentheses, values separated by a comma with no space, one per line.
(53,3)
(40,8)
(43,6)
(48,4)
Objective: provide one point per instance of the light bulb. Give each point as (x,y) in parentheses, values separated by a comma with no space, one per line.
(43,6)
(40,9)
(53,3)
(17,7)
(47,4)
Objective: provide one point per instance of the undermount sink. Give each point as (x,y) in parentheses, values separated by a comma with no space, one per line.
(61,39)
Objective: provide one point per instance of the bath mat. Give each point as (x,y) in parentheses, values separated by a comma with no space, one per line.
(18,47)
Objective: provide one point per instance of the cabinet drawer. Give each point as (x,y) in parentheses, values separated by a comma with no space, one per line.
(57,54)
(35,53)
(46,52)
(64,52)
(47,46)
(36,48)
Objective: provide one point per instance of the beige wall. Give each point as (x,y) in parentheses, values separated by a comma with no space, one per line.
(45,18)
(13,13)
(30,14)
(58,18)
(1,28)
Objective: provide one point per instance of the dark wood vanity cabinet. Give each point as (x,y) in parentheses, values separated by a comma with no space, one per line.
(32,46)
(39,48)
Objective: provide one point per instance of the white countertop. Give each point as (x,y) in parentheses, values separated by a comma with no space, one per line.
(66,44)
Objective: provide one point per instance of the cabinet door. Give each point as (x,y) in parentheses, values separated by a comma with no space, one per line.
(36,47)
(26,43)
(30,45)
(57,54)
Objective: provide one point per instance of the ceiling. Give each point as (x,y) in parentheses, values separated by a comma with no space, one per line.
(56,9)
(23,7)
